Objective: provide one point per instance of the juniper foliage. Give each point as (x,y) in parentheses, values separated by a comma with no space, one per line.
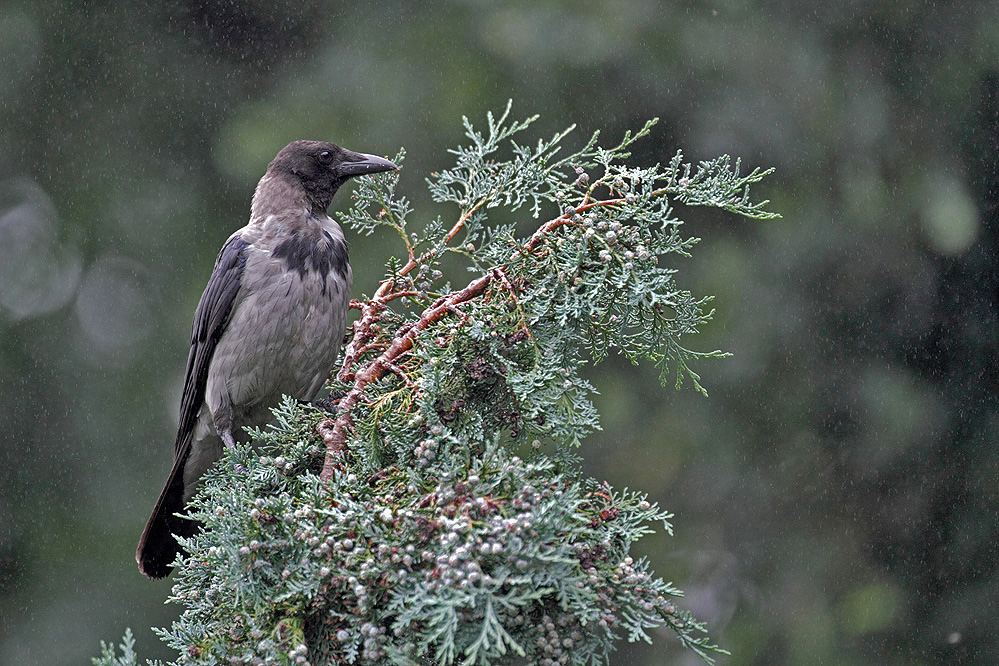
(443,535)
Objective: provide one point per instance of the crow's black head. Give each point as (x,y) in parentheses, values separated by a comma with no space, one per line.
(322,167)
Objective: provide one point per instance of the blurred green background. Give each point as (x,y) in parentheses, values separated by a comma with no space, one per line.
(836,496)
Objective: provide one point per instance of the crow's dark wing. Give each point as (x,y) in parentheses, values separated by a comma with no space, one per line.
(158,546)
(210,320)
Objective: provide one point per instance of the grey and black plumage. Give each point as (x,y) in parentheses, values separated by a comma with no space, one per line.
(269,323)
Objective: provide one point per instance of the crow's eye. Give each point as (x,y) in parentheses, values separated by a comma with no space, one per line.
(326,157)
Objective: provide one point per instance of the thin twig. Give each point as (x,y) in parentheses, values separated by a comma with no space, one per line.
(334,431)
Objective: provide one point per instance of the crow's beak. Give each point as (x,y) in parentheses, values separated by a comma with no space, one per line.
(359,164)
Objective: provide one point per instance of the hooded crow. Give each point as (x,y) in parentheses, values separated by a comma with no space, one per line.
(269,323)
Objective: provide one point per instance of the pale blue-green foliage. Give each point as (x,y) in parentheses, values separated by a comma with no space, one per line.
(110,657)
(434,542)
(477,556)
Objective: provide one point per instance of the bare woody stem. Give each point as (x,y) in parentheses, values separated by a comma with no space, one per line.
(383,289)
(371,309)
(334,430)
(565,218)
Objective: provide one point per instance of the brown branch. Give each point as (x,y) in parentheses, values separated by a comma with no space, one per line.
(399,294)
(565,218)
(370,310)
(334,430)
(400,373)
(383,289)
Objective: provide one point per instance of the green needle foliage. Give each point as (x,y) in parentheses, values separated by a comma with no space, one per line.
(419,524)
